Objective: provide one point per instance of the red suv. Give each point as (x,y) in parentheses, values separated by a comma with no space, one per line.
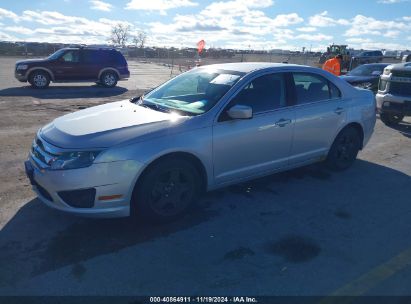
(101,65)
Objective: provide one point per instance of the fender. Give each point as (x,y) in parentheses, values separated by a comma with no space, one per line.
(108,69)
(40,68)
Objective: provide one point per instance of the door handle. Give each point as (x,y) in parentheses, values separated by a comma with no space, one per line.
(283,122)
(339,110)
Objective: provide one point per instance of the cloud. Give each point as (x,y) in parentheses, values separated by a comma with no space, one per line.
(391,1)
(314,37)
(51,26)
(8,14)
(223,22)
(100,5)
(324,20)
(7,37)
(287,20)
(362,25)
(307,29)
(158,5)
(19,30)
(392,34)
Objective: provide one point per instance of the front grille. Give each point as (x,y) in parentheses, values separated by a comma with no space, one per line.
(400,88)
(401,73)
(41,154)
(79,198)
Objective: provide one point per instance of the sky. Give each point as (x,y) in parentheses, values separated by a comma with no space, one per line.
(237,24)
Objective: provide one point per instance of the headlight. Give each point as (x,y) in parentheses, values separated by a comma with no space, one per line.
(73,160)
(22,67)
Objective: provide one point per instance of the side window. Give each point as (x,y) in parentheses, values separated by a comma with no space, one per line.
(312,87)
(263,94)
(90,56)
(118,58)
(71,56)
(334,91)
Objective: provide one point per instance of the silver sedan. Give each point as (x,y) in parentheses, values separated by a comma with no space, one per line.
(213,126)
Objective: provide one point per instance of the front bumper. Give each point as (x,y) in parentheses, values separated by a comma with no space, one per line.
(113,180)
(20,75)
(394,104)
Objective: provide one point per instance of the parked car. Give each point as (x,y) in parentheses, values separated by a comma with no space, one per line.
(366,57)
(394,93)
(104,66)
(365,76)
(406,58)
(207,128)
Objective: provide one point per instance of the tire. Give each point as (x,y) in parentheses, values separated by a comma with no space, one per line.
(391,119)
(109,79)
(39,79)
(344,150)
(166,191)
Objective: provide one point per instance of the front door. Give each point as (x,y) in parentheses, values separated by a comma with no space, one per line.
(251,147)
(68,67)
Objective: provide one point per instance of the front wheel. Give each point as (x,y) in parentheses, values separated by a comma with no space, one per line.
(166,191)
(108,79)
(344,150)
(391,119)
(39,79)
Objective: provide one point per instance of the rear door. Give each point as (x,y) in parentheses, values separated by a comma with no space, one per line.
(91,63)
(319,113)
(250,147)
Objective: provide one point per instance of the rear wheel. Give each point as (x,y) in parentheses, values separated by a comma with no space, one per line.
(39,79)
(166,191)
(344,150)
(391,119)
(108,79)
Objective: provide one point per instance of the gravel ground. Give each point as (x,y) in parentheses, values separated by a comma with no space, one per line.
(304,232)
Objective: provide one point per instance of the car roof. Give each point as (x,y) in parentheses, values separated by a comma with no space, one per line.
(90,48)
(247,67)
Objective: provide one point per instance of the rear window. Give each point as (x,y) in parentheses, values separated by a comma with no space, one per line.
(103,57)
(312,87)
(91,56)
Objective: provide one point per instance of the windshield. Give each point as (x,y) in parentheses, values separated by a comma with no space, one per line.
(194,92)
(56,54)
(367,70)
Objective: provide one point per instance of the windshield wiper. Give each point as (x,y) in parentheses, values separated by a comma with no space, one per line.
(154,107)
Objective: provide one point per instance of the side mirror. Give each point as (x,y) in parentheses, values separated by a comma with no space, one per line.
(240,112)
(376,73)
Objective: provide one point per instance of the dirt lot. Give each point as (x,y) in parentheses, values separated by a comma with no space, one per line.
(305,232)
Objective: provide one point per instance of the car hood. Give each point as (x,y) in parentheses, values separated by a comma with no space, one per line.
(108,125)
(352,79)
(28,61)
